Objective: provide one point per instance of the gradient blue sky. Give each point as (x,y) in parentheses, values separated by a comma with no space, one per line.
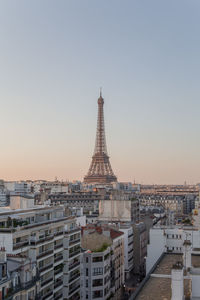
(54,56)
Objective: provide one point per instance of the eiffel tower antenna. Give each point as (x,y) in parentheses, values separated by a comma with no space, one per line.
(100,170)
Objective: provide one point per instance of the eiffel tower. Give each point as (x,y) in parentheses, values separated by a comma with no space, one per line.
(100,170)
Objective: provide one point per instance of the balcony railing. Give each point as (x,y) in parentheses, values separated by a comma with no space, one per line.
(56,272)
(58,296)
(74,289)
(21,287)
(58,246)
(74,277)
(47,295)
(75,264)
(71,242)
(97,284)
(56,259)
(72,230)
(76,297)
(20,245)
(45,253)
(43,283)
(58,283)
(42,240)
(74,253)
(44,268)
(58,233)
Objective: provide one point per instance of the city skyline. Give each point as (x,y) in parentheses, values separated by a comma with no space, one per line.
(54,58)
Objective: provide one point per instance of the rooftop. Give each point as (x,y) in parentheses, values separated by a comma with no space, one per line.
(95,242)
(158,288)
(113,233)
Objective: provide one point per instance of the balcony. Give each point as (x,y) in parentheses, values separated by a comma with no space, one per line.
(20,244)
(44,268)
(58,258)
(58,296)
(71,291)
(75,297)
(74,265)
(72,230)
(50,293)
(56,272)
(58,233)
(74,253)
(58,283)
(35,241)
(74,277)
(46,281)
(45,253)
(22,286)
(72,242)
(58,246)
(98,283)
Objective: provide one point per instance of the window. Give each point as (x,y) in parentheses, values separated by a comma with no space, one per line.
(97,282)
(97,271)
(97,294)
(97,259)
(86,271)
(86,259)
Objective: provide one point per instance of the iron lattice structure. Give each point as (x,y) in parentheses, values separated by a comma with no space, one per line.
(100,170)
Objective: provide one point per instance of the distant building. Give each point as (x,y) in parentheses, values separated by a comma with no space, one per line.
(89,201)
(18,188)
(119,206)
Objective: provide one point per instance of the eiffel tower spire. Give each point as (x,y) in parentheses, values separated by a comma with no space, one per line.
(100,170)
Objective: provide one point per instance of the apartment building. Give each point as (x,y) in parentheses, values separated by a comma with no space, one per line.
(102,263)
(18,188)
(71,288)
(140,240)
(88,201)
(172,277)
(127,229)
(44,235)
(170,239)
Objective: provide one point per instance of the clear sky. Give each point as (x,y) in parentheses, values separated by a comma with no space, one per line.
(54,56)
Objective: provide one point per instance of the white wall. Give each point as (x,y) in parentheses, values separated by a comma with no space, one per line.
(155,248)
(6,240)
(115,210)
(18,202)
(195,286)
(81,221)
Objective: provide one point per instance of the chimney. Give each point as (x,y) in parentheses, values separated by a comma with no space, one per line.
(177,282)
(187,254)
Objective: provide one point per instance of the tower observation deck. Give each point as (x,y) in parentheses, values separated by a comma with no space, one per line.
(100,170)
